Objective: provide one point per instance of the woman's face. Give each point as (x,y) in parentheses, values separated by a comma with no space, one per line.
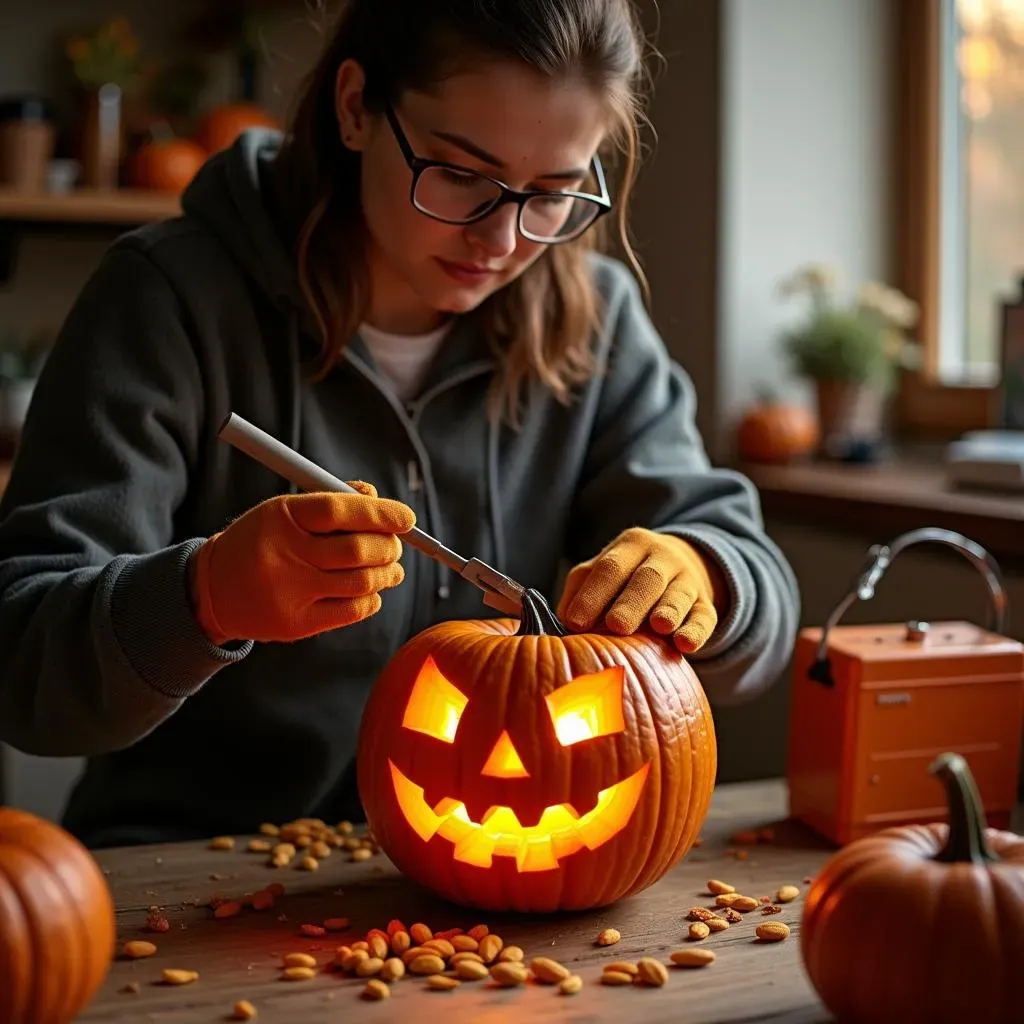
(505,121)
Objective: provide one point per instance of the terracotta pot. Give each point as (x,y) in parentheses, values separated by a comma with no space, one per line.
(851,414)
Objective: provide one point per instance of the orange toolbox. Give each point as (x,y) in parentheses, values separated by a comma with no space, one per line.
(872,706)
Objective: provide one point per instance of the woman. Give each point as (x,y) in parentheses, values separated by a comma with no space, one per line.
(404,289)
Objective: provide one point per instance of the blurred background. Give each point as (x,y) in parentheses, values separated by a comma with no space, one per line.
(831,219)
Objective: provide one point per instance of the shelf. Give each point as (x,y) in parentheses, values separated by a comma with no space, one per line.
(81,210)
(87,206)
(889,497)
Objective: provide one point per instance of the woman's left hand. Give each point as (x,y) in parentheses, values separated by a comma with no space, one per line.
(640,575)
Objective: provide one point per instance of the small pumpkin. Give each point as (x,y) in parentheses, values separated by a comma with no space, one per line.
(57,928)
(514,766)
(776,432)
(921,923)
(221,126)
(166,164)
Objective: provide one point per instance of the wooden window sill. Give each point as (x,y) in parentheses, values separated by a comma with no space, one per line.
(888,498)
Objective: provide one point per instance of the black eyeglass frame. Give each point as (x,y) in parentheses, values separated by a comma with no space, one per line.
(419,164)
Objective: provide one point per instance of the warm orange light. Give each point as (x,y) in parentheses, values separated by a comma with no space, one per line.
(504,761)
(435,706)
(559,833)
(588,707)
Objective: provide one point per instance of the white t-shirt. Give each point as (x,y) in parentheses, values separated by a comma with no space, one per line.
(403,358)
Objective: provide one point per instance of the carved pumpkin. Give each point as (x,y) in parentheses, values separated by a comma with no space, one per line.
(166,165)
(921,923)
(57,927)
(532,769)
(219,127)
(772,431)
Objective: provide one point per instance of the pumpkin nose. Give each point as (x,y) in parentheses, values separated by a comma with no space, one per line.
(504,761)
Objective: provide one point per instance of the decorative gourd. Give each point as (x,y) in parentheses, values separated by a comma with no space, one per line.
(57,929)
(774,431)
(219,128)
(921,923)
(533,770)
(166,164)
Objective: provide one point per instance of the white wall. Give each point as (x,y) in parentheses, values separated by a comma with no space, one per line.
(806,100)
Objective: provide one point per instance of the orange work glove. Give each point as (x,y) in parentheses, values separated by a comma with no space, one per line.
(299,564)
(644,574)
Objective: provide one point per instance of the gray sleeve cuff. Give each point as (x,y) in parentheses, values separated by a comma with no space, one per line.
(738,577)
(155,627)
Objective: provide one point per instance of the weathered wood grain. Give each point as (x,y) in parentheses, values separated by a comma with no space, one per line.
(240,957)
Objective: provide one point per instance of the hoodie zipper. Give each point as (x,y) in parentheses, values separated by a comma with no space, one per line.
(424,591)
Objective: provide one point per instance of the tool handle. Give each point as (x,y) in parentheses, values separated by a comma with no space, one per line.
(880,557)
(308,476)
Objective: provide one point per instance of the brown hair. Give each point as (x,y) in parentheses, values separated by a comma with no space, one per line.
(542,323)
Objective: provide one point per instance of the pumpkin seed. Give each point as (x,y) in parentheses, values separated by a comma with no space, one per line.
(772,931)
(547,970)
(692,957)
(651,971)
(376,989)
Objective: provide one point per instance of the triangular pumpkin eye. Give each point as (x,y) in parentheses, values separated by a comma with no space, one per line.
(435,706)
(588,707)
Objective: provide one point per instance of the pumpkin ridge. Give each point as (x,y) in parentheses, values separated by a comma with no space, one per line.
(96,956)
(15,935)
(646,867)
(684,762)
(47,962)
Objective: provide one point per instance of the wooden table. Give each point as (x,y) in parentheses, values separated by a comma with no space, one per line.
(240,957)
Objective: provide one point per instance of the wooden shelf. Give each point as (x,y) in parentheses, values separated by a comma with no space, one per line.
(87,206)
(900,494)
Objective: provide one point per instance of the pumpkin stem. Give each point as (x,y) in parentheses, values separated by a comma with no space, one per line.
(538,618)
(966,841)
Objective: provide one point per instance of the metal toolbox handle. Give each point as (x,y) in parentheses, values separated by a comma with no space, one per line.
(880,557)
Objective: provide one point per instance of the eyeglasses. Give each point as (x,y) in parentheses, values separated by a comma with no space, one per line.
(457,195)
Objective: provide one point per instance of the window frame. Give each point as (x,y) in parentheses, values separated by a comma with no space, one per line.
(926,406)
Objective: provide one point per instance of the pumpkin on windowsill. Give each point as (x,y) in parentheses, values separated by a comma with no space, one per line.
(57,929)
(512,766)
(774,431)
(921,924)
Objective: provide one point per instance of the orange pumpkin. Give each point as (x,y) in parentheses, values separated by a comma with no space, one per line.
(773,431)
(166,165)
(219,128)
(57,929)
(921,923)
(533,770)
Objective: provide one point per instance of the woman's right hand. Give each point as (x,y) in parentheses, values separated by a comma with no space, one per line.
(299,564)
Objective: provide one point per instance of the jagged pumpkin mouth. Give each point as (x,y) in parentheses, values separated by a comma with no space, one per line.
(559,832)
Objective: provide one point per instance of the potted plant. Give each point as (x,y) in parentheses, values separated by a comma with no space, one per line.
(853,352)
(105,64)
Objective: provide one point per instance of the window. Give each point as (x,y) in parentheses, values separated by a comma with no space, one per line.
(960,198)
(982,188)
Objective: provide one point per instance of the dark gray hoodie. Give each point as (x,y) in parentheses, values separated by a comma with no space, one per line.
(120,476)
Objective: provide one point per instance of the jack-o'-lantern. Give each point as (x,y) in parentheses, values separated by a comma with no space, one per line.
(531,769)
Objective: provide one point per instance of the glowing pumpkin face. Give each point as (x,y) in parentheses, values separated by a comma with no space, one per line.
(535,770)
